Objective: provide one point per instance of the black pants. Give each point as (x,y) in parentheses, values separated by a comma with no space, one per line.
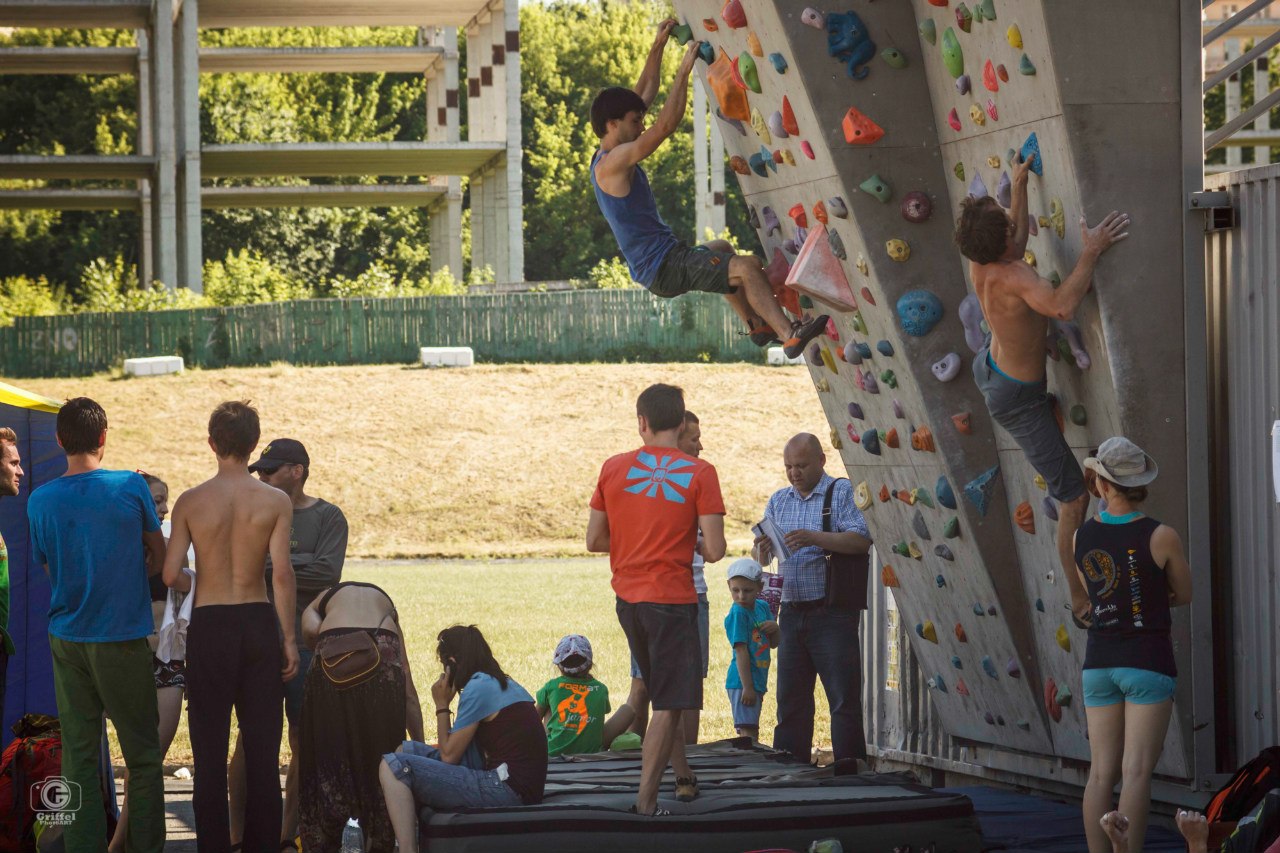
(819,642)
(234,658)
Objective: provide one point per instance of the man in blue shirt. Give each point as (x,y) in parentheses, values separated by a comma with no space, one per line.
(97,534)
(658,260)
(10,483)
(817,640)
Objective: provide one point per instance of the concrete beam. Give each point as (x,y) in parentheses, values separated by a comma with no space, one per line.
(36,167)
(337,13)
(350,158)
(319,195)
(79,14)
(46,199)
(69,60)
(412,60)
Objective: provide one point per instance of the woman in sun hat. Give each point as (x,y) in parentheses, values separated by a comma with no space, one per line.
(1135,571)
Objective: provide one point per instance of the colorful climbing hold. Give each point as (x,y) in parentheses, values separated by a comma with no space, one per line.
(1030,257)
(813,18)
(1063,638)
(988,667)
(753,44)
(978,609)
(838,207)
(859,325)
(779,62)
(789,117)
(823,385)
(918,312)
(829,360)
(731,98)
(862,495)
(980,489)
(963,84)
(1012,668)
(963,422)
(1014,37)
(913,551)
(940,581)
(929,31)
(733,15)
(978,187)
(952,528)
(888,577)
(989,77)
(1078,415)
(837,245)
(961,688)
(706,52)
(960,634)
(1040,482)
(958,171)
(1002,73)
(1063,696)
(904,495)
(991,721)
(710,25)
(944,552)
(747,70)
(893,57)
(964,18)
(1058,217)
(773,125)
(921,495)
(1024,725)
(798,216)
(1050,508)
(740,166)
(922,440)
(886,349)
(1025,517)
(760,127)
(860,130)
(991,109)
(916,207)
(1004,191)
(899,548)
(884,490)
(898,250)
(993,162)
(855,410)
(891,437)
(937,684)
(758,165)
(1026,66)
(1040,604)
(848,41)
(878,187)
(871,442)
(955,659)
(952,54)
(820,212)
(946,368)
(787,157)
(927,631)
(862,265)
(946,495)
(771,221)
(953,119)
(682,33)
(918,525)
(864,349)
(866,294)
(806,149)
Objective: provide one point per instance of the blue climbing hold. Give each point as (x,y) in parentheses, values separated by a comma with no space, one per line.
(919,311)
(978,610)
(758,165)
(855,411)
(940,581)
(767,156)
(885,348)
(871,442)
(779,62)
(946,496)
(955,661)
(849,41)
(1040,604)
(706,52)
(938,684)
(989,668)
(979,490)
(1031,149)
(864,349)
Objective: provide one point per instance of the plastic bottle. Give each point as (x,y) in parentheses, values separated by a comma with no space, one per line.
(352,837)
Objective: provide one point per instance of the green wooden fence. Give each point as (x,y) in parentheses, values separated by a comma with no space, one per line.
(574,326)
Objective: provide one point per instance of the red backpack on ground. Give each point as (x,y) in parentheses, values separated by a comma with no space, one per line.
(33,756)
(1247,788)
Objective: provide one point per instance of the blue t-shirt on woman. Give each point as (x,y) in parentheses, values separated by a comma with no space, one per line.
(88,529)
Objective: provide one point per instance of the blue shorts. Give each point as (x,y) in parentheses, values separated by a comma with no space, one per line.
(745,715)
(1116,684)
(294,688)
(704,628)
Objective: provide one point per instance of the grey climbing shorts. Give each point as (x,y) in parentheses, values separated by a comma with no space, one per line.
(1024,410)
(687,268)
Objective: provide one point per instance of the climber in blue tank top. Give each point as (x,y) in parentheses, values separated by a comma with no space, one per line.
(657,259)
(1134,570)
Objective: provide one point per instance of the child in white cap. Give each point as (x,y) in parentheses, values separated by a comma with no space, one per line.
(752,633)
(574,705)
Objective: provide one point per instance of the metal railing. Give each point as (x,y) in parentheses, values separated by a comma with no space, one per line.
(1251,22)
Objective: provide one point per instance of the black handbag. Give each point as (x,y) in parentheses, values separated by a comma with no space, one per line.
(846,573)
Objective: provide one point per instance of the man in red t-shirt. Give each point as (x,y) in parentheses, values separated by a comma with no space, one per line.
(645,514)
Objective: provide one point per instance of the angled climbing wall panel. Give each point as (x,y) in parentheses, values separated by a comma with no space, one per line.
(859,130)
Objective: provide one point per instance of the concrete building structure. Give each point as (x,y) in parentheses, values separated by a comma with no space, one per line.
(167,182)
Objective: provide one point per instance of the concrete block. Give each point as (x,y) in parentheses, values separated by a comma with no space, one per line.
(156,365)
(775,357)
(447,356)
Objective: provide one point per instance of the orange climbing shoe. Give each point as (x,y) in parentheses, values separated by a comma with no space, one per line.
(762,334)
(802,333)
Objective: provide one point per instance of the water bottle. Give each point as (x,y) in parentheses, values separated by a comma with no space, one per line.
(352,837)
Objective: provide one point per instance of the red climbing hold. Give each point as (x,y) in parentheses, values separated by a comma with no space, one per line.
(888,577)
(1051,700)
(963,422)
(789,118)
(1025,517)
(960,634)
(953,119)
(832,332)
(777,274)
(1002,74)
(860,130)
(992,111)
(989,77)
(710,25)
(903,495)
(884,494)
(961,688)
(820,212)
(798,216)
(733,15)
(739,165)
(938,2)
(731,96)
(819,273)
(806,148)
(737,73)
(866,294)
(891,439)
(922,439)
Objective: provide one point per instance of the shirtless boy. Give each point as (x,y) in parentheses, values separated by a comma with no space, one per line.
(657,259)
(1010,368)
(234,651)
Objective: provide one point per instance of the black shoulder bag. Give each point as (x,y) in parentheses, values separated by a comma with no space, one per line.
(846,573)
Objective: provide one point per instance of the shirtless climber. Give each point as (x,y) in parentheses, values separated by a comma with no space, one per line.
(1010,368)
(663,264)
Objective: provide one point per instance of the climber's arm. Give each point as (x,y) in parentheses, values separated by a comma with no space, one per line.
(622,157)
(647,85)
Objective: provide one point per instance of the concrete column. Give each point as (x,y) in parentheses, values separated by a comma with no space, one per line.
(443,99)
(164,214)
(478,216)
(493,248)
(146,263)
(186,110)
(701,184)
(717,178)
(513,168)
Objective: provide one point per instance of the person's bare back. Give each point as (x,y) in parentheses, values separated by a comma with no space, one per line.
(1017,330)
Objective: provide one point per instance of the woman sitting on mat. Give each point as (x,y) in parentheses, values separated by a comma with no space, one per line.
(1135,571)
(358,700)
(494,754)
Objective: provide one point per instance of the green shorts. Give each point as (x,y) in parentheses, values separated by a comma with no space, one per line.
(687,268)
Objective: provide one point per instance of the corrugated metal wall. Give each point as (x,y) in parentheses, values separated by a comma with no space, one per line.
(1242,284)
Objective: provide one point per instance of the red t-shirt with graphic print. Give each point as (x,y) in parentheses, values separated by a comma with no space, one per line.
(653,497)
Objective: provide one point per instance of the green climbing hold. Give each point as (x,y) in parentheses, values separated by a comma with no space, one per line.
(952,55)
(1025,66)
(750,76)
(988,9)
(1063,696)
(806,302)
(929,31)
(878,187)
(959,171)
(1055,279)
(900,548)
(952,528)
(682,33)
(888,378)
(1078,415)
(895,58)
(1064,348)
(922,495)
(859,325)
(978,15)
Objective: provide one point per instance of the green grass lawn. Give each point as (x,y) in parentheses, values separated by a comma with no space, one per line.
(524,607)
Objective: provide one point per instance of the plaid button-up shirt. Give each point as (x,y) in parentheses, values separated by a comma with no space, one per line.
(805,574)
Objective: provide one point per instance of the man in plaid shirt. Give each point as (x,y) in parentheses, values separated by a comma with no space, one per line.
(817,640)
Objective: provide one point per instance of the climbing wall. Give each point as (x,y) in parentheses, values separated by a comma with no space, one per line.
(855,132)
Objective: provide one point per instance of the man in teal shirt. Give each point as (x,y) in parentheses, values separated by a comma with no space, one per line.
(10,481)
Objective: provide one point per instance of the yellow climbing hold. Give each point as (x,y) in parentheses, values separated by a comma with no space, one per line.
(898,249)
(1058,217)
(993,162)
(862,265)
(1064,639)
(1043,221)
(1030,257)
(1040,483)
(788,157)
(929,632)
(913,550)
(978,116)
(753,44)
(829,360)
(835,439)
(1014,35)
(822,384)
(761,129)
(862,496)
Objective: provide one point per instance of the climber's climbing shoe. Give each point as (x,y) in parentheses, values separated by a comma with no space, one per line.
(802,333)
